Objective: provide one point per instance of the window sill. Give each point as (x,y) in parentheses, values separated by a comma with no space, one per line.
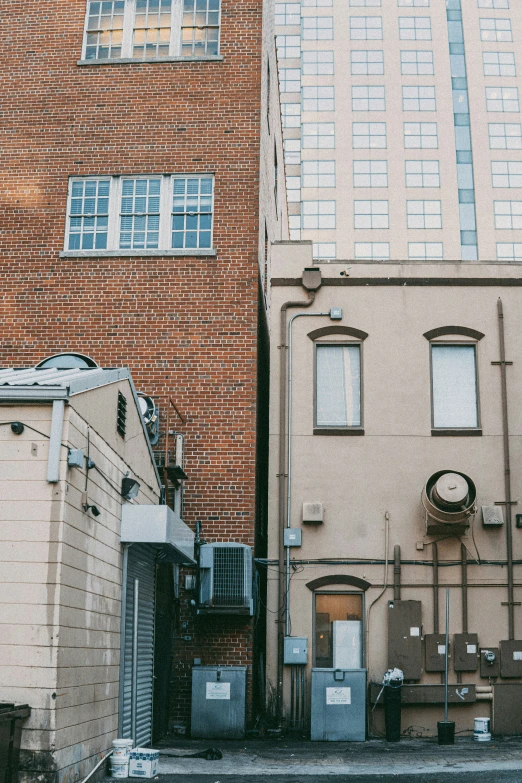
(456,433)
(338,431)
(136,253)
(141,60)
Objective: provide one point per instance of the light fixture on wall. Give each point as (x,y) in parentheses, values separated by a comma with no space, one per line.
(129,488)
(92,508)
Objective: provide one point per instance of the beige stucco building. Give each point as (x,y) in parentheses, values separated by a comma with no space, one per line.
(393,375)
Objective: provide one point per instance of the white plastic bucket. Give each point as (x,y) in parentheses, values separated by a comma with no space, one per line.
(120,767)
(483,737)
(122,747)
(481,726)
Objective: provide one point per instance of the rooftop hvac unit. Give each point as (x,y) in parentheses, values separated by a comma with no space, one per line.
(225,579)
(449,499)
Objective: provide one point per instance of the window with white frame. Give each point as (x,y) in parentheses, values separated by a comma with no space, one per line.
(499,63)
(318,214)
(293,189)
(287,14)
(149,29)
(291,115)
(371,214)
(318,99)
(140,213)
(509,251)
(288,46)
(495,30)
(370,173)
(365,3)
(317,28)
(292,148)
(318,174)
(420,135)
(413,3)
(415,28)
(294,224)
(505,136)
(422,174)
(508,214)
(324,250)
(289,80)
(502,4)
(424,214)
(368,135)
(318,135)
(503,99)
(338,385)
(506,173)
(367,62)
(317,3)
(317,63)
(371,251)
(418,98)
(454,386)
(366,28)
(417,62)
(366,98)
(425,251)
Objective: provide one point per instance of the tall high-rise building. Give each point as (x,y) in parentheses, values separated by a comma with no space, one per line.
(402,127)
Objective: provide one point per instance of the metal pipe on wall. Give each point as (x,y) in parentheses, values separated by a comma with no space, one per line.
(396,573)
(464,561)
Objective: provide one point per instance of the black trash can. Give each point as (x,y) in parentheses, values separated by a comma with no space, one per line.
(392,710)
(446,732)
(11,717)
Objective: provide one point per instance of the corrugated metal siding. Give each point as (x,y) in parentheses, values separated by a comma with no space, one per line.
(141,566)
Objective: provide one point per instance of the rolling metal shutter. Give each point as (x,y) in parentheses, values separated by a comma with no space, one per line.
(138,645)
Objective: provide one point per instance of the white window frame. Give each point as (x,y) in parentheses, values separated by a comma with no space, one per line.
(417,25)
(499,64)
(327,136)
(287,14)
(418,174)
(371,214)
(509,251)
(502,4)
(411,65)
(322,216)
(324,250)
(289,80)
(368,97)
(317,28)
(317,3)
(371,26)
(495,30)
(318,98)
(502,99)
(365,3)
(424,214)
(371,133)
(293,189)
(451,425)
(318,174)
(367,62)
(340,425)
(508,215)
(413,3)
(510,131)
(287,50)
(371,251)
(291,119)
(317,63)
(418,97)
(506,173)
(370,173)
(414,131)
(425,251)
(292,152)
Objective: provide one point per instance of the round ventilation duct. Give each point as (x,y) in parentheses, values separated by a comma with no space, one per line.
(449,498)
(149,412)
(68,361)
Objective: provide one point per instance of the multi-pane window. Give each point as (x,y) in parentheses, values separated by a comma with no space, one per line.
(420,135)
(509,251)
(366,28)
(508,214)
(318,214)
(422,174)
(506,173)
(367,62)
(371,214)
(370,174)
(499,64)
(365,3)
(291,115)
(372,251)
(324,250)
(502,99)
(413,3)
(368,135)
(417,62)
(318,174)
(415,28)
(293,189)
(317,28)
(294,224)
(140,213)
(368,98)
(424,214)
(454,386)
(318,99)
(338,386)
(418,99)
(503,4)
(288,46)
(317,63)
(317,3)
(505,136)
(495,30)
(292,148)
(425,251)
(289,80)
(287,14)
(149,29)
(318,135)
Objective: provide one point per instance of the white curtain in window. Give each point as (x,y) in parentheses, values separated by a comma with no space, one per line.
(338,389)
(454,386)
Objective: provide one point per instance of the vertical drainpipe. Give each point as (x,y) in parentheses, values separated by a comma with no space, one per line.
(55,442)
(464,572)
(396,573)
(435,587)
(311,282)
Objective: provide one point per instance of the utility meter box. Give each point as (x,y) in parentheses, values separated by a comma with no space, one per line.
(405,638)
(338,705)
(218,702)
(465,652)
(293,536)
(511,658)
(296,650)
(435,652)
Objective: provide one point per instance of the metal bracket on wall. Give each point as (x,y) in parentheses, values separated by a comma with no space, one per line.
(501,362)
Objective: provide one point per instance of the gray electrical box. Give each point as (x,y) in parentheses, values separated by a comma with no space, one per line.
(435,652)
(338,705)
(292,536)
(404,638)
(296,650)
(511,658)
(465,652)
(218,702)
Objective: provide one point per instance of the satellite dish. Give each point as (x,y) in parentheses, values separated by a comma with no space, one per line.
(68,361)
(150,415)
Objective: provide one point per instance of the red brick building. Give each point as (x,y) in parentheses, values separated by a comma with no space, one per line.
(140,153)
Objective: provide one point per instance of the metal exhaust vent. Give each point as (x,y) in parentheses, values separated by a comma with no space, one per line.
(449,499)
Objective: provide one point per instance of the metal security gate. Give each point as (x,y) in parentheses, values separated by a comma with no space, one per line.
(137,671)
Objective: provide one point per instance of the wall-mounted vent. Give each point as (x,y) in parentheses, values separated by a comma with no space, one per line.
(449,500)
(225,579)
(121,422)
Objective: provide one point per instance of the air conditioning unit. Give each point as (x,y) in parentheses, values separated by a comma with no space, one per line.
(225,579)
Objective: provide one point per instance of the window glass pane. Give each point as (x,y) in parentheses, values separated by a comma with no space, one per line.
(454,386)
(140,214)
(192,212)
(339,608)
(104,30)
(338,386)
(152,26)
(200,28)
(89,214)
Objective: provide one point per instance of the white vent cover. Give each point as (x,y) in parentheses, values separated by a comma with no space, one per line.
(313,513)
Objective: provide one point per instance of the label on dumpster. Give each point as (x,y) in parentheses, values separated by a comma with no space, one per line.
(338,695)
(414,631)
(218,690)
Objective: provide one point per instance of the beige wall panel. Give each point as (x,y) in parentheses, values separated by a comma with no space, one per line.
(77,598)
(70,677)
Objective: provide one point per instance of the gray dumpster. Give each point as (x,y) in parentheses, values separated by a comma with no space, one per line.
(338,705)
(218,702)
